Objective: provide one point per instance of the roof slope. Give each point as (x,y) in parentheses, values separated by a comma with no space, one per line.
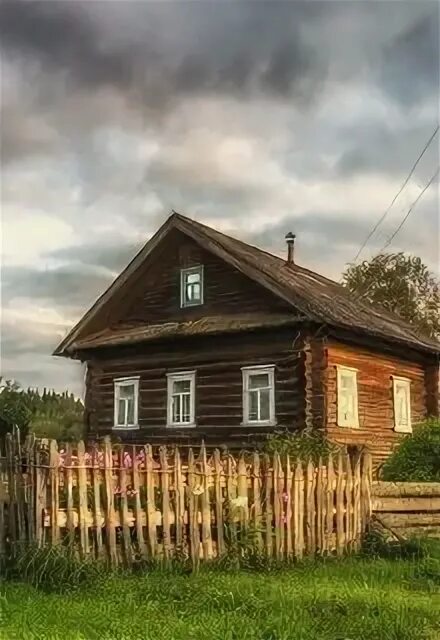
(317,298)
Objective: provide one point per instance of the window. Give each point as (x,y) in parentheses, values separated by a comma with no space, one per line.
(402,404)
(347,397)
(181,399)
(259,395)
(126,403)
(191,286)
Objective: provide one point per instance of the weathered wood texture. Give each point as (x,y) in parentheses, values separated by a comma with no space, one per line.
(408,508)
(375,396)
(179,503)
(219,391)
(156,295)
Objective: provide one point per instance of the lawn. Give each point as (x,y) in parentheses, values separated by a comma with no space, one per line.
(357,599)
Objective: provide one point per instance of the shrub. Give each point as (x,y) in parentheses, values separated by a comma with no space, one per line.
(309,443)
(417,457)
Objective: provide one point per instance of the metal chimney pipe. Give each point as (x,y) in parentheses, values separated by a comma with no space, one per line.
(290,239)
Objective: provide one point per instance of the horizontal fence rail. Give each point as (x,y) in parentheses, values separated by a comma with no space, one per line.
(124,503)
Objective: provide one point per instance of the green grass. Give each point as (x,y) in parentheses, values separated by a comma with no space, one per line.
(358,599)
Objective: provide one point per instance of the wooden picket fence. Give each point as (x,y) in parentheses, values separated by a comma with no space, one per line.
(126,503)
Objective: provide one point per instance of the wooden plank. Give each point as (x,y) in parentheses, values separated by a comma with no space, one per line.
(256,505)
(340,508)
(2,509)
(12,507)
(366,481)
(320,511)
(206,507)
(40,493)
(179,487)
(299,481)
(193,496)
(165,490)
(406,504)
(348,504)
(20,491)
(330,501)
(96,476)
(30,488)
(151,505)
(218,472)
(138,507)
(82,493)
(122,483)
(411,519)
(68,484)
(278,483)
(288,508)
(268,504)
(54,490)
(110,503)
(357,504)
(311,509)
(242,490)
(381,489)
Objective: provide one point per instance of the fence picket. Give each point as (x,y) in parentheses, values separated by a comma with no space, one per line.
(340,531)
(138,507)
(179,487)
(193,499)
(83,506)
(320,507)
(356,502)
(310,508)
(268,506)
(218,475)
(123,508)
(256,506)
(206,507)
(54,490)
(278,505)
(349,504)
(288,506)
(330,502)
(110,503)
(164,486)
(68,485)
(151,501)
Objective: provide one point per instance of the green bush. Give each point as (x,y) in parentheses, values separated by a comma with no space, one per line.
(417,457)
(303,445)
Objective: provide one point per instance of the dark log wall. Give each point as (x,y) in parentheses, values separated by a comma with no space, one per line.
(156,295)
(375,396)
(217,361)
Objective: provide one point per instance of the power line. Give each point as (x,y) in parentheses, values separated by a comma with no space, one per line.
(428,184)
(384,215)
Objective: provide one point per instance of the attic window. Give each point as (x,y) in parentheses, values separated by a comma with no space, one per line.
(191,286)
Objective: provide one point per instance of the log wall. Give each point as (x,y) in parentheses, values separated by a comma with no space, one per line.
(375,396)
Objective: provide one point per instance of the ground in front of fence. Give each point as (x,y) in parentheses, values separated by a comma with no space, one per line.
(352,598)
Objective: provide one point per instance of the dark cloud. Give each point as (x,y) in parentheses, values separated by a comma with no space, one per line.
(74,286)
(112,255)
(231,51)
(411,61)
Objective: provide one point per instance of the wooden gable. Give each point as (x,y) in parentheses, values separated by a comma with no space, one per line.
(155,295)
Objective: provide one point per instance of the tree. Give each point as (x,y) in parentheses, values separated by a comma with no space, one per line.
(399,283)
(50,415)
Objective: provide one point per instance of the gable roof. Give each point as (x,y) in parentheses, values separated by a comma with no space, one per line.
(315,297)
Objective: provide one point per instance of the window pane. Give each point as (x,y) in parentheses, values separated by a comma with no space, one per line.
(126,391)
(264,405)
(186,402)
(253,405)
(401,405)
(176,408)
(181,386)
(193,277)
(121,411)
(257,381)
(346,400)
(130,411)
(193,292)
(348,381)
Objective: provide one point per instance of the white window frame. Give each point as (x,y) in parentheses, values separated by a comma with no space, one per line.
(397,380)
(118,383)
(181,376)
(343,421)
(247,372)
(185,272)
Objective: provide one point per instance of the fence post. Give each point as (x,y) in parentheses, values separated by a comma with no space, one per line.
(218,469)
(54,490)
(110,504)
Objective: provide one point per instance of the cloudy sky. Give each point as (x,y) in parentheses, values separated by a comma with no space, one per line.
(255,117)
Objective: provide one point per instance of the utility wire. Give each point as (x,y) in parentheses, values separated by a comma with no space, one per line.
(428,184)
(384,215)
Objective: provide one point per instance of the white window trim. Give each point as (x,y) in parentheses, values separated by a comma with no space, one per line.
(342,421)
(183,273)
(117,384)
(177,377)
(247,372)
(397,427)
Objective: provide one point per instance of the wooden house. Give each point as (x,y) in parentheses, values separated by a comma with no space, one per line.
(205,337)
